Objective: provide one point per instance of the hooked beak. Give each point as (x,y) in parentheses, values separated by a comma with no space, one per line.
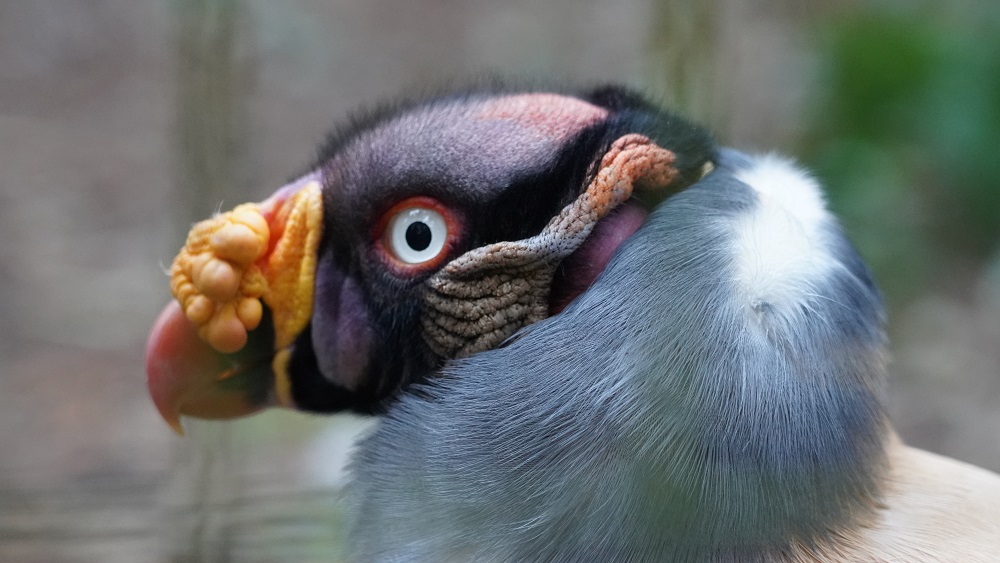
(188,377)
(244,285)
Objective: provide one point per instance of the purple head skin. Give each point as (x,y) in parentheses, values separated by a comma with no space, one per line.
(341,336)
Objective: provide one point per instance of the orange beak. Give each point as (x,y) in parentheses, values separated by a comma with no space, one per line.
(243,285)
(188,377)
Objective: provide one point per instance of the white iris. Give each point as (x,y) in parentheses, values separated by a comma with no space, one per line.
(417,234)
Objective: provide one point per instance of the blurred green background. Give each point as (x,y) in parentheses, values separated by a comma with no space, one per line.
(122,122)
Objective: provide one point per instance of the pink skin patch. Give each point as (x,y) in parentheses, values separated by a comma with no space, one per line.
(580,269)
(551,116)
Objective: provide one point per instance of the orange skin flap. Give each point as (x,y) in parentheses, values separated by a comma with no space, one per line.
(256,251)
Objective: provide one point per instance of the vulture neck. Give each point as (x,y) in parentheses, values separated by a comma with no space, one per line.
(743,366)
(666,414)
(734,432)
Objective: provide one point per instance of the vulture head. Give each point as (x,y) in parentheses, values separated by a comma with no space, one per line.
(591,333)
(424,232)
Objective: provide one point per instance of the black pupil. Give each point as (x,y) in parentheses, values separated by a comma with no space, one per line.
(418,236)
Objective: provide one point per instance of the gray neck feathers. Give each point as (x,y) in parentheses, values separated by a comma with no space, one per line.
(667,414)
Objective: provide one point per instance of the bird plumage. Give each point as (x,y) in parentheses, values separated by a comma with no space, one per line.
(665,412)
(708,383)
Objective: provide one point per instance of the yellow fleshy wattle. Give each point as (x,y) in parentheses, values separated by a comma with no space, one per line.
(291,271)
(256,251)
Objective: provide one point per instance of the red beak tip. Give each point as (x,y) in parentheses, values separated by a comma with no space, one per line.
(171,353)
(183,375)
(176,426)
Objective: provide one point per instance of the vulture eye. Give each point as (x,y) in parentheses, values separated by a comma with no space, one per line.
(418,232)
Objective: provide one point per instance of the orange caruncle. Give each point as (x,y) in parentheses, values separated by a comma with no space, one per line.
(256,251)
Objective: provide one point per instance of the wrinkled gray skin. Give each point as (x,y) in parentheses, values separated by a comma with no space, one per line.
(658,418)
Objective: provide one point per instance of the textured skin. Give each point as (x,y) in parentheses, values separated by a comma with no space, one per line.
(504,164)
(715,394)
(256,251)
(658,418)
(215,276)
(482,297)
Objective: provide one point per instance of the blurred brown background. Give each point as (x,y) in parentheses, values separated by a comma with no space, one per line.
(122,122)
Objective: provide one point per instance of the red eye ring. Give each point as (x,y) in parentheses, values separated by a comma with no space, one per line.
(440,228)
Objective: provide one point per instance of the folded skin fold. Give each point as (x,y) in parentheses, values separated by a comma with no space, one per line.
(591,333)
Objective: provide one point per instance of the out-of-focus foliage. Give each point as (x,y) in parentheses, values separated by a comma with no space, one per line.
(905,134)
